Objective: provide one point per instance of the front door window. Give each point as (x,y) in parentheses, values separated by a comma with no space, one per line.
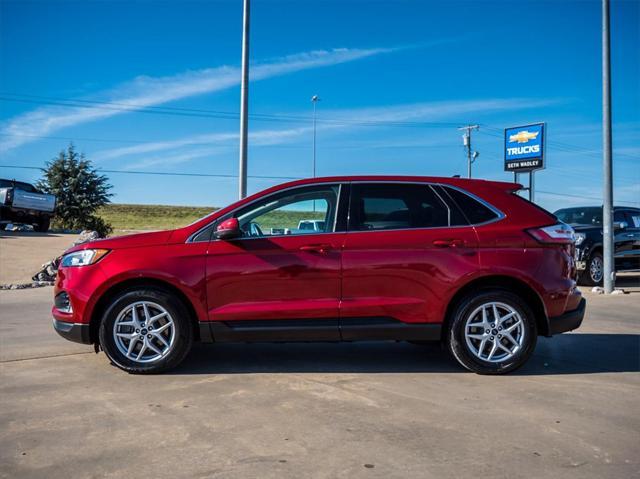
(303,211)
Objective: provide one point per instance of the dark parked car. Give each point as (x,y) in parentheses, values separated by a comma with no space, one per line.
(22,203)
(587,223)
(466,262)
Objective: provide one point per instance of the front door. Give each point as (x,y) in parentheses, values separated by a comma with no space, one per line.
(286,265)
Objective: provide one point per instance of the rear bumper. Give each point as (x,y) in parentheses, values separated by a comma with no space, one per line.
(568,321)
(76,332)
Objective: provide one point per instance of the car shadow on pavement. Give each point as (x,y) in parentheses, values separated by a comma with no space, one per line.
(564,354)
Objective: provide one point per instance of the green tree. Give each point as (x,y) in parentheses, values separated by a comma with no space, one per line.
(80,190)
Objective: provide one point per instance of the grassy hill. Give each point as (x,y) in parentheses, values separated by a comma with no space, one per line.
(151,217)
(160,217)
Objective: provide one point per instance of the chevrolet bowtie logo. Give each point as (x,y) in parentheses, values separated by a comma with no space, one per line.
(523,136)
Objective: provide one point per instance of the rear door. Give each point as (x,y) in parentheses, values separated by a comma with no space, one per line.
(404,248)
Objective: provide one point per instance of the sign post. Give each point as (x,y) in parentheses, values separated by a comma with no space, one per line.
(524,152)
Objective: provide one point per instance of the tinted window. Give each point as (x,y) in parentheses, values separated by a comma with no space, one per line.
(619,216)
(474,211)
(204,235)
(580,216)
(396,206)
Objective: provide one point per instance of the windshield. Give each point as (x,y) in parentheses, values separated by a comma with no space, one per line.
(18,184)
(581,216)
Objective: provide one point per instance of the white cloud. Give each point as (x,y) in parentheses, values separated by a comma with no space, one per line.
(147,91)
(345,120)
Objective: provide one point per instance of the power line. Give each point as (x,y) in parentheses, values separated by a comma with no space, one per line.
(558,145)
(266,177)
(226,115)
(581,197)
(201,113)
(166,173)
(67,138)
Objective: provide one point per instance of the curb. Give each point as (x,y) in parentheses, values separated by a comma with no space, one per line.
(33,284)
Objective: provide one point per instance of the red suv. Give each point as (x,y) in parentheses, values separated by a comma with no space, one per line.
(467,262)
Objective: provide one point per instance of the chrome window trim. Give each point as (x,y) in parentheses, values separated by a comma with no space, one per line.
(500,214)
(339,184)
(444,202)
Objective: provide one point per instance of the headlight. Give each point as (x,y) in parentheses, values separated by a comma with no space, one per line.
(83,257)
(580,238)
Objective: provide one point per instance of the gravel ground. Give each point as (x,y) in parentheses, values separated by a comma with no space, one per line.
(22,253)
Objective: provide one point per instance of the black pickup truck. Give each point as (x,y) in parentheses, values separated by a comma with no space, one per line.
(587,223)
(22,203)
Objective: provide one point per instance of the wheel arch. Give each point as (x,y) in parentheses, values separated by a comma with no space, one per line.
(139,283)
(503,282)
(596,248)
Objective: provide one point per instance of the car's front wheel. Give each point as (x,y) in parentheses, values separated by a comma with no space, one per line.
(146,331)
(492,332)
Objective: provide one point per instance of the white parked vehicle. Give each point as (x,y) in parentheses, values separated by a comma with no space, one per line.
(23,203)
(312,226)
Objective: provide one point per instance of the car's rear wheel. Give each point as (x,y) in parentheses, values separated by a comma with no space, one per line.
(492,332)
(146,331)
(592,276)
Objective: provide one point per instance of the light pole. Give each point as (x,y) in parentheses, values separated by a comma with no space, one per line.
(607,167)
(244,103)
(314,99)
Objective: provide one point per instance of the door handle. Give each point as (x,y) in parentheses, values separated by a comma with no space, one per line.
(448,243)
(317,248)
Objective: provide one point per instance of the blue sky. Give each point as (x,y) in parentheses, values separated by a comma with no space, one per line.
(396,79)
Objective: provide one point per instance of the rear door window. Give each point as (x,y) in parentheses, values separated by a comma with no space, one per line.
(381,206)
(474,211)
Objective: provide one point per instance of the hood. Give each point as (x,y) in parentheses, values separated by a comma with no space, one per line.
(154,238)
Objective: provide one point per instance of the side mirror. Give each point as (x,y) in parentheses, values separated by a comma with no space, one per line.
(620,225)
(228,229)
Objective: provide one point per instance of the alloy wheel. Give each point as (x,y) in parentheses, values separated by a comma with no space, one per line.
(494,332)
(596,269)
(144,332)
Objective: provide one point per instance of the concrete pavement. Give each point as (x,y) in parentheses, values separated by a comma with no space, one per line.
(320,410)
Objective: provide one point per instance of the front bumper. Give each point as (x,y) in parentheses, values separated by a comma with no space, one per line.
(568,321)
(76,332)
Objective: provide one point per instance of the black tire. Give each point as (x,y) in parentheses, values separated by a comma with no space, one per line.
(457,343)
(42,226)
(589,276)
(183,334)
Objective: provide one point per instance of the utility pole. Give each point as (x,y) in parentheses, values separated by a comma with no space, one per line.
(314,99)
(607,167)
(466,141)
(244,103)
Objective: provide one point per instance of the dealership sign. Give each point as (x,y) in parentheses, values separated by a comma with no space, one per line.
(524,148)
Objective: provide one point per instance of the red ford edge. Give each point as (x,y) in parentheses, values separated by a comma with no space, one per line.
(466,262)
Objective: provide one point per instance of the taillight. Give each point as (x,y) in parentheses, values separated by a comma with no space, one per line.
(560,233)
